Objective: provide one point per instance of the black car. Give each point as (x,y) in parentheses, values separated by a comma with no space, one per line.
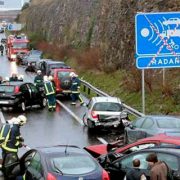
(118,164)
(20,95)
(3,40)
(47,65)
(63,162)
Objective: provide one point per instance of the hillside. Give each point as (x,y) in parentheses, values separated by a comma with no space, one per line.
(102,32)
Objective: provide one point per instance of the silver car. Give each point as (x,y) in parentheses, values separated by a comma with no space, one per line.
(103,112)
(151,125)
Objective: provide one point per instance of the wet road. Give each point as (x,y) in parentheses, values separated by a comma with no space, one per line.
(46,128)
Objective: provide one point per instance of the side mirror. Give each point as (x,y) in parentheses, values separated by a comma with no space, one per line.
(131,126)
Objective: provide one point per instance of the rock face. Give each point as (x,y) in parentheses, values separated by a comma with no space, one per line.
(107,25)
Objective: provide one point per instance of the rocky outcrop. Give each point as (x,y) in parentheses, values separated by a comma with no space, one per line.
(107,25)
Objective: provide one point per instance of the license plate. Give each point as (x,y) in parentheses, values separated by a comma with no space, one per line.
(4,102)
(66,91)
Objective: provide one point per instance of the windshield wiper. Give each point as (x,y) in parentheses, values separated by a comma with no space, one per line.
(57,170)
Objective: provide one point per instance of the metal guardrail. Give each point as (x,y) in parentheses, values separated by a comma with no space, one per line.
(98,92)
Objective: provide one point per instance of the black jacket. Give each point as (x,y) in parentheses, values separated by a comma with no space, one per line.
(134,174)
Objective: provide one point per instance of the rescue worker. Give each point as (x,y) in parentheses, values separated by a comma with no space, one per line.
(14,77)
(10,132)
(1,49)
(38,80)
(75,86)
(50,93)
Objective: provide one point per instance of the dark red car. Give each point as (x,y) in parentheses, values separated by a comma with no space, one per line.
(62,80)
(160,139)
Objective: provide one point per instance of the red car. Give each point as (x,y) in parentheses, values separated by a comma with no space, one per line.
(62,80)
(160,139)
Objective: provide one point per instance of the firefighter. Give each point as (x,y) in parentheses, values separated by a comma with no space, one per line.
(75,86)
(11,138)
(14,77)
(1,49)
(50,93)
(38,80)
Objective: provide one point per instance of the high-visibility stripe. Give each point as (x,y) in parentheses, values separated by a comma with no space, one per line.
(2,130)
(24,176)
(47,90)
(75,92)
(9,149)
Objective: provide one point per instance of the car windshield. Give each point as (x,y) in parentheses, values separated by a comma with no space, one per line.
(19,45)
(72,164)
(63,74)
(168,123)
(6,89)
(107,106)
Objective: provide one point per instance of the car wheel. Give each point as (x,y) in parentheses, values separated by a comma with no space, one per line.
(84,120)
(43,103)
(90,124)
(23,106)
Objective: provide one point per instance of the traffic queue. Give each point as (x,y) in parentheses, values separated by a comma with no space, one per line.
(143,157)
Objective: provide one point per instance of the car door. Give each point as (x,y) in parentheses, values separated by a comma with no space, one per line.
(26,93)
(34,93)
(133,132)
(34,170)
(120,167)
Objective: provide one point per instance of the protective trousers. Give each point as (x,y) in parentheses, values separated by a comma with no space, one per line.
(76,96)
(51,98)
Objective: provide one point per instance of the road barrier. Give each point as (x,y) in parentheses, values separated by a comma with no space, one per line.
(87,86)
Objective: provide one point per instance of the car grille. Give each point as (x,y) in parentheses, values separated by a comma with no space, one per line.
(107,118)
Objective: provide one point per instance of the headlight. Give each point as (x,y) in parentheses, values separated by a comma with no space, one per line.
(13,56)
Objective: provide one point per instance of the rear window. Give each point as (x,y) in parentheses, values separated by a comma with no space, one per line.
(169,123)
(6,89)
(73,164)
(107,106)
(63,74)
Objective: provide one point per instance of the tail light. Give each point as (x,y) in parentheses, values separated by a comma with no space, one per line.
(94,115)
(16,90)
(50,177)
(105,175)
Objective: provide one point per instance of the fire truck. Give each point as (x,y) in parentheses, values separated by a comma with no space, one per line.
(17,45)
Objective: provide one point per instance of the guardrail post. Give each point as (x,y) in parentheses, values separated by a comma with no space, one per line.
(89,91)
(84,89)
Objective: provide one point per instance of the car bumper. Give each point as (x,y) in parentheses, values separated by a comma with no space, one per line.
(107,124)
(8,103)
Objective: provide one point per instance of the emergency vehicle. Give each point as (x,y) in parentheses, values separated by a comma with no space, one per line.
(16,45)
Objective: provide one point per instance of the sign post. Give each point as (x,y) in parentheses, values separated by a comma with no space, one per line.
(157,42)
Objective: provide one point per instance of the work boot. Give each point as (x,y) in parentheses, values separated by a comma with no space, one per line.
(73,103)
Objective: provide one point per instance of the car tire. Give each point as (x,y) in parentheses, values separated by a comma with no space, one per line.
(90,124)
(23,106)
(84,120)
(43,103)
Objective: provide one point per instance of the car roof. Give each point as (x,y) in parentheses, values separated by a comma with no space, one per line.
(13,83)
(161,117)
(173,150)
(50,61)
(61,149)
(106,99)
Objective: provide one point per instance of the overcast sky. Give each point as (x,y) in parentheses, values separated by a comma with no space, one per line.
(12,4)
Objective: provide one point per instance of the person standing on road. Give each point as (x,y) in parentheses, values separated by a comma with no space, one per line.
(12,136)
(50,93)
(13,77)
(135,173)
(75,89)
(38,80)
(2,49)
(158,169)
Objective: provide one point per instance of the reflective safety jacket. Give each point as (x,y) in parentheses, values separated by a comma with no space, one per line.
(38,80)
(4,133)
(14,139)
(49,88)
(75,86)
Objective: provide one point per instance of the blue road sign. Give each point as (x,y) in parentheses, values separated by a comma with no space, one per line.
(157,62)
(157,33)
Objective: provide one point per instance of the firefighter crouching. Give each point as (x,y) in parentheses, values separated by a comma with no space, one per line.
(75,89)
(50,92)
(10,136)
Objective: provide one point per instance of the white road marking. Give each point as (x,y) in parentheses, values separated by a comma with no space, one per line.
(102,140)
(2,118)
(70,112)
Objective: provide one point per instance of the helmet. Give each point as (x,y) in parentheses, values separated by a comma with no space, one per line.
(45,78)
(50,78)
(21,120)
(72,74)
(39,72)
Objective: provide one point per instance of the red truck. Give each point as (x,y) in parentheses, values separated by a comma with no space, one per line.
(17,45)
